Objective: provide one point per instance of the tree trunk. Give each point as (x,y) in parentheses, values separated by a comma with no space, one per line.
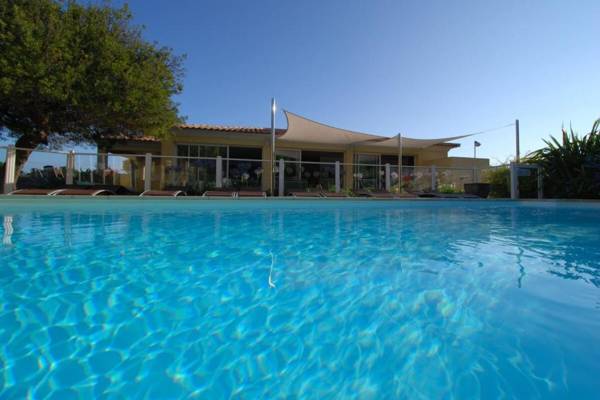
(27,142)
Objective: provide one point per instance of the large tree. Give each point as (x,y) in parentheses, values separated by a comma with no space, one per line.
(73,72)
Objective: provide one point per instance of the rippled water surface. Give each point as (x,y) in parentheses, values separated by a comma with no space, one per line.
(299,299)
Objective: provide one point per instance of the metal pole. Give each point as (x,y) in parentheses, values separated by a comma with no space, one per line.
(281,177)
(474,160)
(388,179)
(518,157)
(9,169)
(337,177)
(148,172)
(514,181)
(273,109)
(219,172)
(70,167)
(400,162)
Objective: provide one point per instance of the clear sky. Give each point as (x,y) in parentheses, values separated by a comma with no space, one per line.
(425,68)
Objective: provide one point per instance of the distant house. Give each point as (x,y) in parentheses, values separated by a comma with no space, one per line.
(186,159)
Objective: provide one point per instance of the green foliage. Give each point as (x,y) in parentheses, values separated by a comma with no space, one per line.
(572,168)
(448,188)
(499,180)
(72,72)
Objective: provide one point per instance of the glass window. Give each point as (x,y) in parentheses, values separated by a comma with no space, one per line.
(210,151)
(247,153)
(183,150)
(193,151)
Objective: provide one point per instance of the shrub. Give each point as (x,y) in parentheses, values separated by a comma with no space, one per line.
(448,188)
(499,180)
(571,169)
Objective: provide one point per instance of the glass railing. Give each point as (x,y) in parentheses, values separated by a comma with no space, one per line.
(192,175)
(122,173)
(370,177)
(3,151)
(309,176)
(498,177)
(239,173)
(42,169)
(126,174)
(453,180)
(411,178)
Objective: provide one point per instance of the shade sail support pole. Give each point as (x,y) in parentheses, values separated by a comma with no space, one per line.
(70,167)
(517,142)
(273,110)
(400,179)
(148,172)
(281,177)
(337,177)
(388,179)
(219,172)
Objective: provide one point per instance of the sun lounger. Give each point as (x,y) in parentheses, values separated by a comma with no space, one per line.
(163,193)
(362,193)
(219,193)
(62,192)
(405,195)
(251,193)
(82,192)
(385,195)
(305,194)
(334,195)
(382,195)
(32,192)
(437,195)
(374,195)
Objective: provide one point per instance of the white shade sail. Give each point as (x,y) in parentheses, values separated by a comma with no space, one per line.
(413,143)
(304,130)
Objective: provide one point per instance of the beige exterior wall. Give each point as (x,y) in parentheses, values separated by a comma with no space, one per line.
(463,162)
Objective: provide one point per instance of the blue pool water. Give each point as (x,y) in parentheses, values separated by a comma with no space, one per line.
(299,299)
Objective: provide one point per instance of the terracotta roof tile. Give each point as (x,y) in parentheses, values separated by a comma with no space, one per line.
(232,129)
(199,127)
(138,138)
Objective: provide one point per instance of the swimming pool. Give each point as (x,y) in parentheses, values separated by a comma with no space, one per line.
(308,299)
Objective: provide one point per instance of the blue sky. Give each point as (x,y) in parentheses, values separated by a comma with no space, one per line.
(425,68)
